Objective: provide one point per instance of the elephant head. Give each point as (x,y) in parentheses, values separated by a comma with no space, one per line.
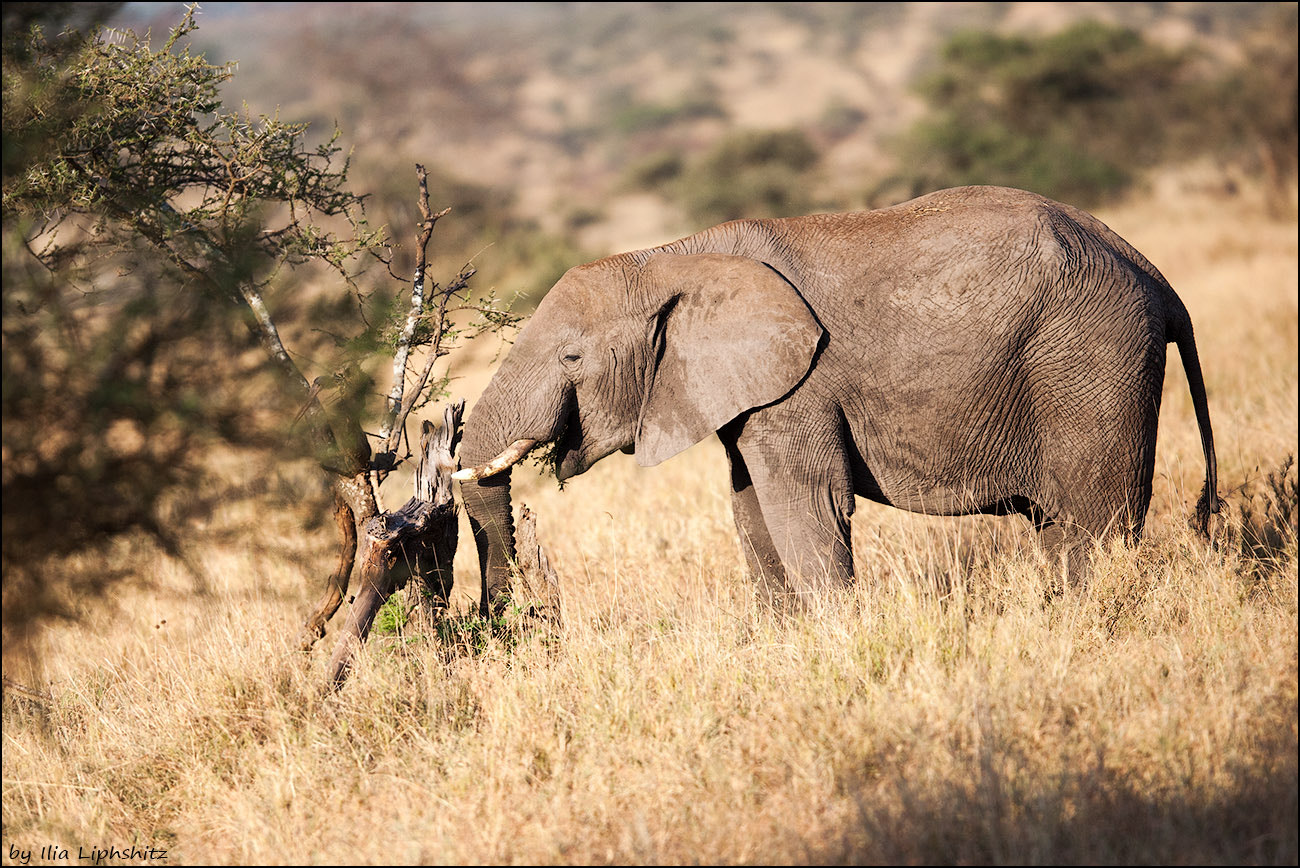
(646,352)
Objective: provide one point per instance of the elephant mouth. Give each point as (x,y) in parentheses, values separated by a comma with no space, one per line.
(560,454)
(564,455)
(570,451)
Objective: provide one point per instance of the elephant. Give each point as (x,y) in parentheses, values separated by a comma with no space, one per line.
(977,350)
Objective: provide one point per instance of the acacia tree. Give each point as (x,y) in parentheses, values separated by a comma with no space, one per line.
(140,218)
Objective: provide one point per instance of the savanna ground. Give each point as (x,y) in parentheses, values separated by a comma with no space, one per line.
(946,711)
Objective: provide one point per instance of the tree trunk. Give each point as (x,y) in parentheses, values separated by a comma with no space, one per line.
(336,584)
(345,455)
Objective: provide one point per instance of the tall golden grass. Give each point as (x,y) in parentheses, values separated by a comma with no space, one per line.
(944,710)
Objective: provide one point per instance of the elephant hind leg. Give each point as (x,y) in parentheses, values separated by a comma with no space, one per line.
(1097,456)
(1067,547)
(1067,533)
(1065,543)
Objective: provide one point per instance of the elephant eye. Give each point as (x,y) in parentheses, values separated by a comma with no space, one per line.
(571,356)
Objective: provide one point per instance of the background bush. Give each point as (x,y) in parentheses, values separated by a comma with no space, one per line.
(1078,114)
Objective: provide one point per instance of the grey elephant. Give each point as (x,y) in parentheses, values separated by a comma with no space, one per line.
(976,350)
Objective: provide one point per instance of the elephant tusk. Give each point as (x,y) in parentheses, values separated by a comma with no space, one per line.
(504,461)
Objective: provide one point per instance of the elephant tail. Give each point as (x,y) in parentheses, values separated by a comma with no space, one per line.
(1179,331)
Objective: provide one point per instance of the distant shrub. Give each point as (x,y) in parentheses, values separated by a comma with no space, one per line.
(1070,115)
(1256,105)
(950,152)
(629,117)
(654,172)
(582,215)
(748,149)
(750,174)
(1077,114)
(840,119)
(719,34)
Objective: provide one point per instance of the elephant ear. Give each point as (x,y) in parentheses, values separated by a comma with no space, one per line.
(734,335)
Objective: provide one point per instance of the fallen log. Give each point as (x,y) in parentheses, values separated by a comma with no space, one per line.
(417,541)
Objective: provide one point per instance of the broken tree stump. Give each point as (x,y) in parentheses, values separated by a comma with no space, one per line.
(416,541)
(536,585)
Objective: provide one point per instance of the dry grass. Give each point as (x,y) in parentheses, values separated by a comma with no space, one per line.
(944,711)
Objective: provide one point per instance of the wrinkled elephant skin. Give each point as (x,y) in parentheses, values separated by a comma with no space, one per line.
(976,350)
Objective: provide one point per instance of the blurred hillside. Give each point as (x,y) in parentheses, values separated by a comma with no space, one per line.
(564,131)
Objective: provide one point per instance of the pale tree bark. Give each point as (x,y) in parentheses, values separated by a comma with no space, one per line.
(536,584)
(400,402)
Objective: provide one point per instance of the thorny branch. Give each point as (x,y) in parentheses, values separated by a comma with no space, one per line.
(390,433)
(436,351)
(423,328)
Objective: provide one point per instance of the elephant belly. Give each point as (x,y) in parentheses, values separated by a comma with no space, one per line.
(910,489)
(944,448)
(918,496)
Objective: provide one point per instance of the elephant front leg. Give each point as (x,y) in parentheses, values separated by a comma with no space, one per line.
(810,533)
(800,494)
(761,555)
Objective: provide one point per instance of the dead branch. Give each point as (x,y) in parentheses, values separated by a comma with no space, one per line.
(390,433)
(40,696)
(435,351)
(336,585)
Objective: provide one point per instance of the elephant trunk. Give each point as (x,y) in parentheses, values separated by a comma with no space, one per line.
(520,408)
(487,503)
